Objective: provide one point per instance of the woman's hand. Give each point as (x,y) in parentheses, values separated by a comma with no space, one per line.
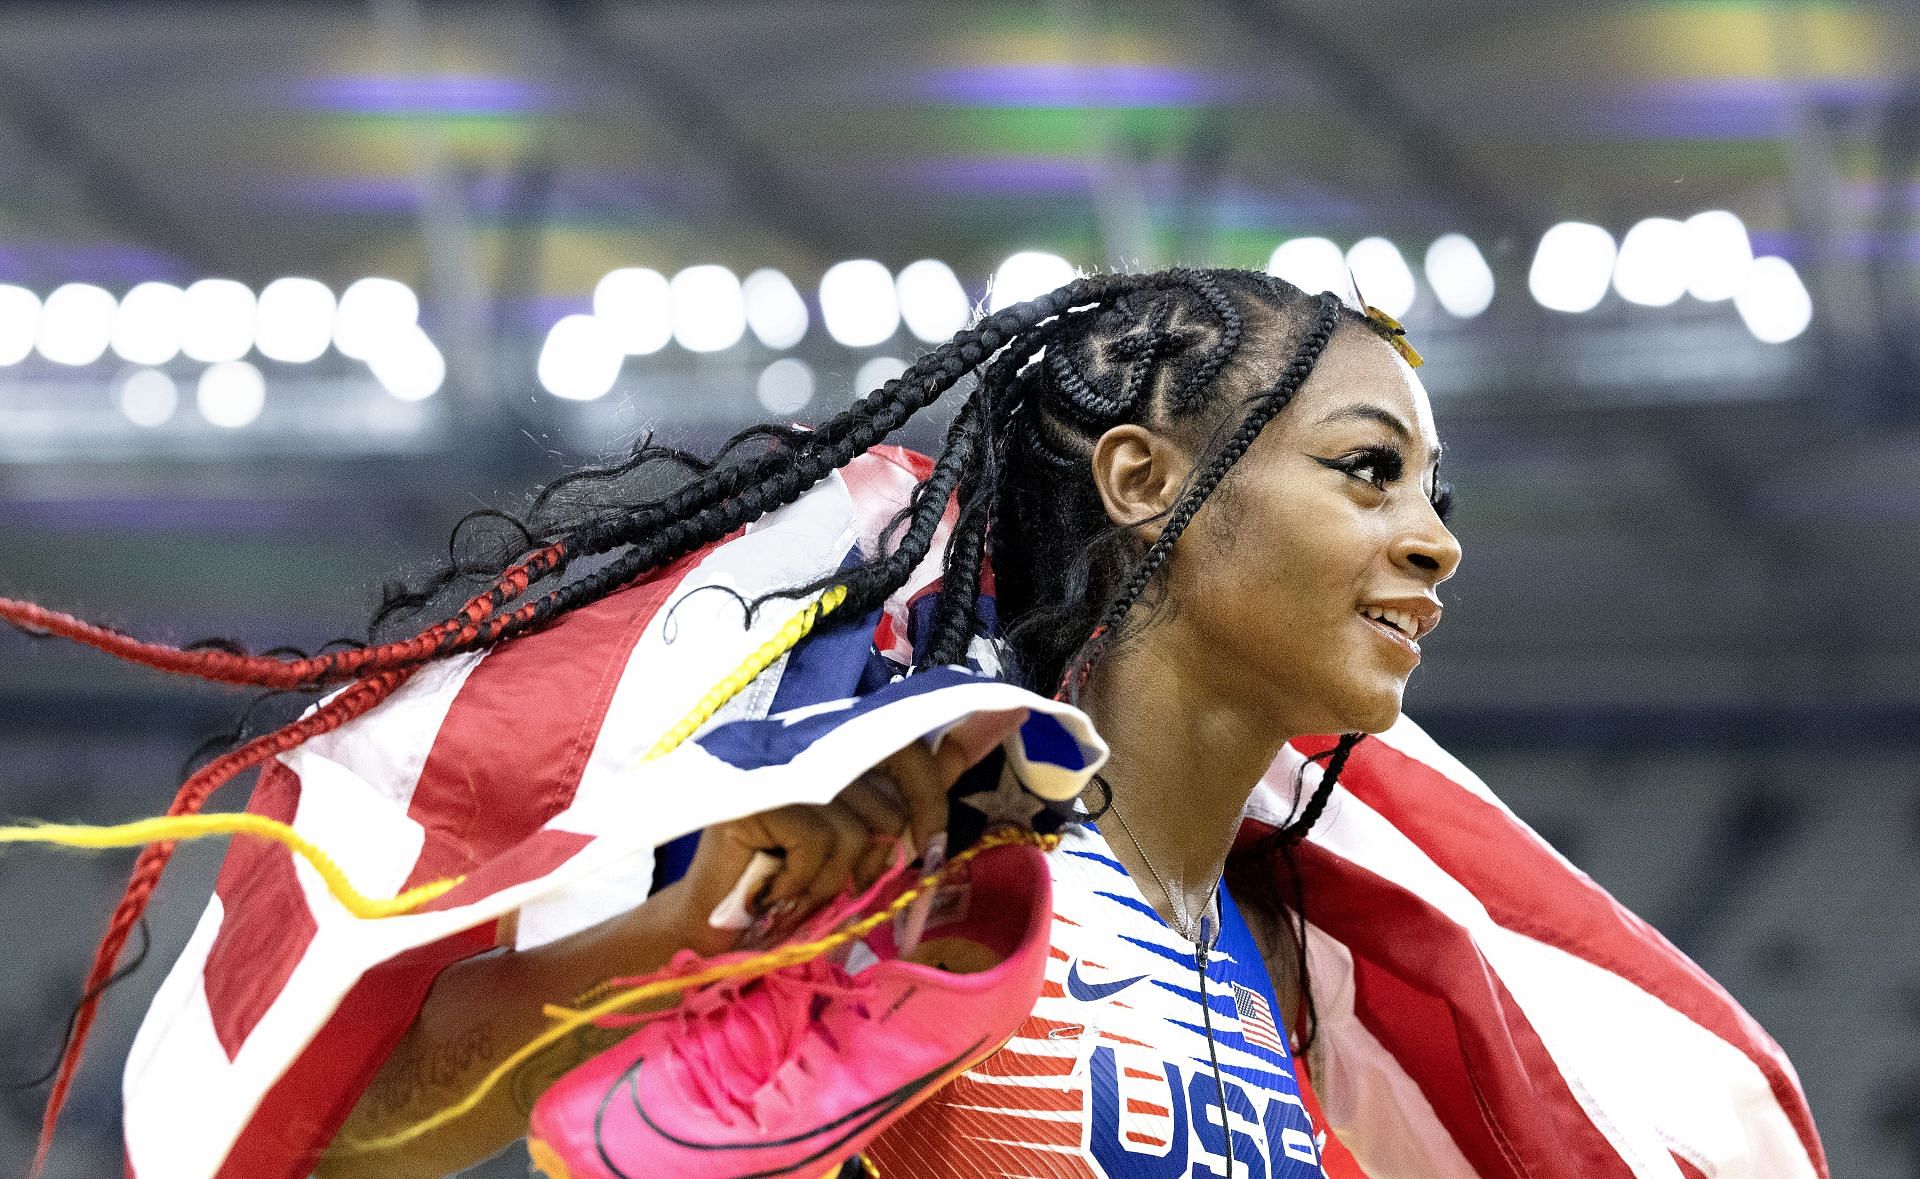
(824,846)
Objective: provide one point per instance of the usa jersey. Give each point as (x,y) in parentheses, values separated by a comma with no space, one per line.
(1111,1075)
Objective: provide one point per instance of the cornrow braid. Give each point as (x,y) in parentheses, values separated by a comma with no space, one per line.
(1266,406)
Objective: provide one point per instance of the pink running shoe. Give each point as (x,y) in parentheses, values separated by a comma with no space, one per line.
(794,1072)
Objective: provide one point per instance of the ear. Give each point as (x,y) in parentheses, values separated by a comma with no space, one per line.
(1139,474)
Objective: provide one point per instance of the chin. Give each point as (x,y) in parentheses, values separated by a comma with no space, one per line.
(1374,712)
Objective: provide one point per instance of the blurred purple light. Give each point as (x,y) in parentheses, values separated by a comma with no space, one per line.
(1722,108)
(1046,84)
(423,94)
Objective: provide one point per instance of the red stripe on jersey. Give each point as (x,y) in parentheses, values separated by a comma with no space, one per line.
(265,926)
(967,1089)
(1436,1005)
(1135,1105)
(1686,1168)
(1527,889)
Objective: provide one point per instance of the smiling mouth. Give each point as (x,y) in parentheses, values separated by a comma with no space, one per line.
(1392,629)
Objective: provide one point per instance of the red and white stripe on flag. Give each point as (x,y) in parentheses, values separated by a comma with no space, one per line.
(1486,1011)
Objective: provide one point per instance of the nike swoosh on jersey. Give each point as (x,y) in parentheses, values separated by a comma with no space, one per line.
(1088,992)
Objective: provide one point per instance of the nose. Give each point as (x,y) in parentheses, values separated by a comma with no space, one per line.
(1428,546)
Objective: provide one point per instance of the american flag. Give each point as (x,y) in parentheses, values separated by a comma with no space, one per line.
(1456,960)
(1256,1019)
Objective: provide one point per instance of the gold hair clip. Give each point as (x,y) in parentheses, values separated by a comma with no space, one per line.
(1396,335)
(1388,327)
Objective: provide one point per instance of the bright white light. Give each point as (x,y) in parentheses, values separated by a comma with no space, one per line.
(231,394)
(785,386)
(409,366)
(877,372)
(1313,264)
(775,311)
(1459,275)
(1572,267)
(1651,270)
(858,303)
(709,310)
(637,304)
(218,320)
(147,328)
(148,397)
(1718,254)
(19,322)
(371,312)
(932,300)
(1382,275)
(1773,302)
(295,320)
(1027,275)
(75,324)
(580,360)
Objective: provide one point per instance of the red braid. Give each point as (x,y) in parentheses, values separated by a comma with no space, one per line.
(147,870)
(225,667)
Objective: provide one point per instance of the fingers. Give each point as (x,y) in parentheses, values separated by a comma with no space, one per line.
(822,845)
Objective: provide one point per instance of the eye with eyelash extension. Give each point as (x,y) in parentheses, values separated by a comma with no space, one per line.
(1387,465)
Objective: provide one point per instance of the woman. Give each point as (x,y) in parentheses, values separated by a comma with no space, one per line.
(1211,506)
(1291,607)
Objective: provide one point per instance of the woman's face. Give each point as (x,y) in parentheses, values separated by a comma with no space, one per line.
(1326,524)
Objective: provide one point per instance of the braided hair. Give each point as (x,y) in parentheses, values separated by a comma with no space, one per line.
(1172,350)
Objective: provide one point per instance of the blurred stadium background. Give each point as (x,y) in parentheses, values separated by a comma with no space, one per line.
(287,288)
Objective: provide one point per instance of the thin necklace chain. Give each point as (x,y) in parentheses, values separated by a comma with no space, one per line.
(1182,921)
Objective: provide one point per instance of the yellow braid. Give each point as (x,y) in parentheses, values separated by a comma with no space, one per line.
(177,828)
(173,828)
(569,1020)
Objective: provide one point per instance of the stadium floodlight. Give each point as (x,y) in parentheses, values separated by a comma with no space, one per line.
(1314,264)
(231,394)
(218,320)
(19,323)
(858,303)
(709,309)
(76,324)
(294,323)
(932,300)
(775,311)
(148,397)
(1382,275)
(1718,253)
(1773,302)
(1459,275)
(1572,267)
(1027,275)
(409,366)
(580,360)
(148,326)
(877,372)
(371,312)
(1651,270)
(786,385)
(637,304)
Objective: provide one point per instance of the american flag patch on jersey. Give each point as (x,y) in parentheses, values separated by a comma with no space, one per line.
(1256,1019)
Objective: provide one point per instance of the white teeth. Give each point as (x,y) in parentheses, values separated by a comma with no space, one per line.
(1399,620)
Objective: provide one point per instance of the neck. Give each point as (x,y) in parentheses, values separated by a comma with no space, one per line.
(1189,744)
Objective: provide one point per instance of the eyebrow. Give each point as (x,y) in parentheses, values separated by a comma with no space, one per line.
(1366,412)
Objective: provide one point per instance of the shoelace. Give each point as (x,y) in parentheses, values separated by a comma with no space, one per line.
(731,1047)
(735,1036)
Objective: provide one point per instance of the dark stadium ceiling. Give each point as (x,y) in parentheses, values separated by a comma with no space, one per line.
(1658,508)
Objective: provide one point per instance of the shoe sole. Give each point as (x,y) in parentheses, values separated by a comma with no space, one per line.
(546,1161)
